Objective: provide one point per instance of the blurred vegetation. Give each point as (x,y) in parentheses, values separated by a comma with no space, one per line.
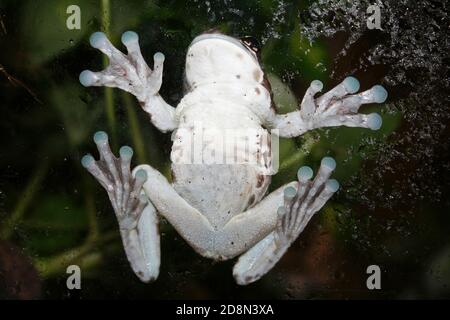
(53,214)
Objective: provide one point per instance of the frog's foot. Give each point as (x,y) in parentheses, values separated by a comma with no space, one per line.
(135,214)
(340,105)
(337,107)
(114,175)
(300,204)
(127,72)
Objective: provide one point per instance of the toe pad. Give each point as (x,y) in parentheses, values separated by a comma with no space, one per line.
(317,85)
(374,121)
(379,94)
(87,78)
(129,37)
(87,160)
(126,152)
(290,192)
(329,162)
(159,56)
(141,174)
(100,137)
(351,84)
(304,173)
(98,40)
(332,185)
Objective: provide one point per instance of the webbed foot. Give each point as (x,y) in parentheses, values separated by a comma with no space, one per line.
(114,175)
(340,105)
(302,203)
(128,72)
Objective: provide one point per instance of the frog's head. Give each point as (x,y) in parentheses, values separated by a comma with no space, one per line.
(215,57)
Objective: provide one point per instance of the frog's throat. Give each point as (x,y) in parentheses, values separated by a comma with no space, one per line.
(209,36)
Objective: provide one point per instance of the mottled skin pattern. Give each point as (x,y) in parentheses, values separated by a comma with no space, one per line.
(218,208)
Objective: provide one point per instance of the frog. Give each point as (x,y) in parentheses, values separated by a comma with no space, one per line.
(221,210)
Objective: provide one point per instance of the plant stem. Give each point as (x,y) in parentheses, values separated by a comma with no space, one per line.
(57,264)
(136,136)
(25,199)
(298,156)
(109,95)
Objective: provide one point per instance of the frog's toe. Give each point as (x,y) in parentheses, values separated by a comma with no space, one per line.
(159,57)
(88,78)
(91,165)
(329,163)
(348,86)
(304,173)
(130,38)
(126,152)
(302,203)
(374,121)
(379,94)
(351,84)
(332,185)
(108,161)
(87,161)
(100,137)
(289,194)
(308,105)
(98,40)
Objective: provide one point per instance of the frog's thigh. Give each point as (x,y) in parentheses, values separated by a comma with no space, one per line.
(248,228)
(238,235)
(188,221)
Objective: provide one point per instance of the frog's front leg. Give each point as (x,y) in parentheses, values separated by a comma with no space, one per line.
(132,74)
(137,217)
(337,107)
(300,204)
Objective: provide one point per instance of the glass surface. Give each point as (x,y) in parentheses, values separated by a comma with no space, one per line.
(392,209)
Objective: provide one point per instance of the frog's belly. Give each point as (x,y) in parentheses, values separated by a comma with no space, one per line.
(220,192)
(221,157)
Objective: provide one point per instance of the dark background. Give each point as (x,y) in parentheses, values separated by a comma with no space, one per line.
(392,209)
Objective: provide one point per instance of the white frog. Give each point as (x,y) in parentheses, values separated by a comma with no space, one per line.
(220,209)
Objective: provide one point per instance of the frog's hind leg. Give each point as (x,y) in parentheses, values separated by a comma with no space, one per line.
(136,215)
(300,204)
(132,74)
(244,230)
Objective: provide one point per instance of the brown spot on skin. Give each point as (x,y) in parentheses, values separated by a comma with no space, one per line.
(257,90)
(259,180)
(266,84)
(257,75)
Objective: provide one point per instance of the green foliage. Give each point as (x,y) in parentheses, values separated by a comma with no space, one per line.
(55,224)
(45,33)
